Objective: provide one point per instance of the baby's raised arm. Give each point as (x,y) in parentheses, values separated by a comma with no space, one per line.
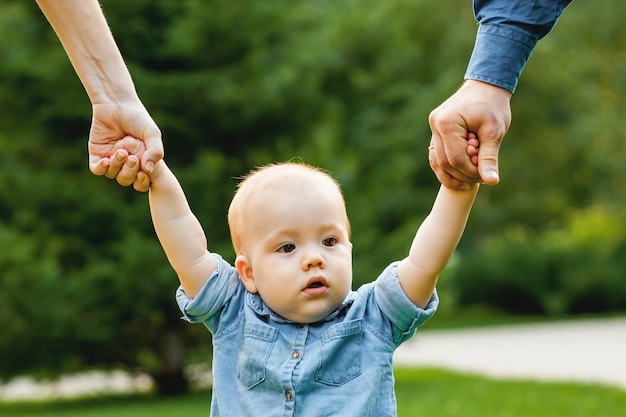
(434,243)
(179,231)
(437,237)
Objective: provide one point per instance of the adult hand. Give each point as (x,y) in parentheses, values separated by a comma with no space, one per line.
(124,141)
(118,114)
(479,108)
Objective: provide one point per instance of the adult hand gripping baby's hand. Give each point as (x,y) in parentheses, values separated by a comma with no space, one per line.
(124,143)
(472,149)
(125,164)
(476,108)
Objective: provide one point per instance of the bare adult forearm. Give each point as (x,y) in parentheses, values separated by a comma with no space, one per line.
(85,35)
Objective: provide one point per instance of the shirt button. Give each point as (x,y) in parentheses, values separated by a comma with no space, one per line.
(296,355)
(288,395)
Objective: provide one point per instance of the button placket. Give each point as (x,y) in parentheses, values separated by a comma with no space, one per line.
(290,371)
(298,343)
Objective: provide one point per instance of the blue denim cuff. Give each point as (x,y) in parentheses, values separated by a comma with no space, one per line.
(218,288)
(396,306)
(499,55)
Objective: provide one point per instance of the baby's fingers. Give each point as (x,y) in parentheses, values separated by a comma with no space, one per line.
(142,183)
(472,147)
(128,172)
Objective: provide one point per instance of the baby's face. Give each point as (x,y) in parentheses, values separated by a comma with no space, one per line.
(298,256)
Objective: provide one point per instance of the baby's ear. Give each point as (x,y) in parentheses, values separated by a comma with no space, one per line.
(245,273)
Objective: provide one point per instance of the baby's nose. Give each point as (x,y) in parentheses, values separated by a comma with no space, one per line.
(313,259)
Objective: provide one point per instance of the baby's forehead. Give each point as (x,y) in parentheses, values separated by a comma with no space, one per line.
(292,186)
(288,178)
(282,184)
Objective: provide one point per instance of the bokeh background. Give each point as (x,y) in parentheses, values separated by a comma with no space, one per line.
(346,85)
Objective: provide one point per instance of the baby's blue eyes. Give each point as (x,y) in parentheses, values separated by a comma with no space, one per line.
(290,247)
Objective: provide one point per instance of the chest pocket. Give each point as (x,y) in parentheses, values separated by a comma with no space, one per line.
(258,343)
(340,355)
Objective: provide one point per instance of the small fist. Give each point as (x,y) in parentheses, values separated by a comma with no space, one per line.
(472,147)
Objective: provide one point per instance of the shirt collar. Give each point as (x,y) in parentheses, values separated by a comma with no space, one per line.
(257,305)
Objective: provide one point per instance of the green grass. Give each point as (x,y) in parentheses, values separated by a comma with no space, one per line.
(420,392)
(423,393)
(191,405)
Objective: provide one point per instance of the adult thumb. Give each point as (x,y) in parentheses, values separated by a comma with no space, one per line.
(488,163)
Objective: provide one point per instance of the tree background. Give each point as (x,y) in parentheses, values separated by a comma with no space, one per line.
(346,85)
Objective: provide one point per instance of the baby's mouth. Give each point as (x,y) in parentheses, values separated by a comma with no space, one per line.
(316,286)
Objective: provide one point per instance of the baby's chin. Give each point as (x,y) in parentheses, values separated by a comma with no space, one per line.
(312,310)
(311,317)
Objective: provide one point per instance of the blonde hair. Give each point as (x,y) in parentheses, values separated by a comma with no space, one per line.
(289,175)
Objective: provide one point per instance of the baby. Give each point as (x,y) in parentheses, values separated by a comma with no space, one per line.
(290,336)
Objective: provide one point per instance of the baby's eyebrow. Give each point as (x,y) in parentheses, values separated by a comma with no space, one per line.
(280,237)
(282,233)
(294,232)
(333,227)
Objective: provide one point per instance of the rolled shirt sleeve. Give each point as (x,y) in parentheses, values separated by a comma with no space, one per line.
(214,294)
(405,316)
(507,35)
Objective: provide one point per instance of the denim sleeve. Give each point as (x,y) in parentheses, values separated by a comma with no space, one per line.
(214,294)
(405,316)
(508,32)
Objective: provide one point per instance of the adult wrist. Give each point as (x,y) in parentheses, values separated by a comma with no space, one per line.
(494,89)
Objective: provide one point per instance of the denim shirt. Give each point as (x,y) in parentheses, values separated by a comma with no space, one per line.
(507,34)
(265,365)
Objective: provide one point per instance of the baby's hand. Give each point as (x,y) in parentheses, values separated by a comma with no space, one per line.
(472,147)
(125,165)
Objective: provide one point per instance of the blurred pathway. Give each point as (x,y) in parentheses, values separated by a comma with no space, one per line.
(592,350)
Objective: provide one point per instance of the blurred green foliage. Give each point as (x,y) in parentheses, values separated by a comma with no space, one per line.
(346,85)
